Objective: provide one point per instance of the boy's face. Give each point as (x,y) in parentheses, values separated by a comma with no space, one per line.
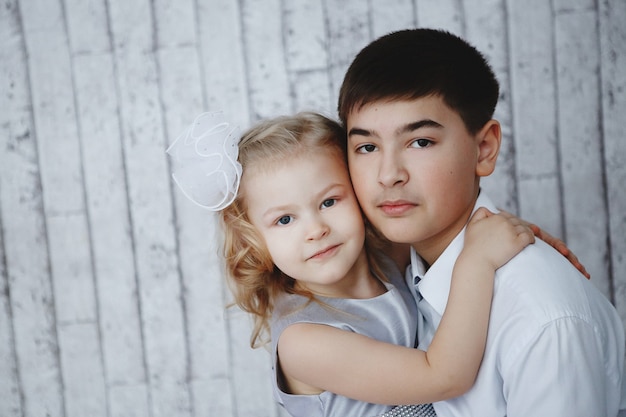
(307,213)
(415,170)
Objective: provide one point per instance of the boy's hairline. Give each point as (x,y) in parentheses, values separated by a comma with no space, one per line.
(393,98)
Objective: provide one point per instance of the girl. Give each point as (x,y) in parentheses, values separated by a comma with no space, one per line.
(302,262)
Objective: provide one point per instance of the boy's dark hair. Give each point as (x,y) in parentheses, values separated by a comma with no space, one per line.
(416,63)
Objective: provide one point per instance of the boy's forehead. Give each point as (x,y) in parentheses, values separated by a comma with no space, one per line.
(430,100)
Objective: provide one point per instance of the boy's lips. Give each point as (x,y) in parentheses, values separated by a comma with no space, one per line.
(396,207)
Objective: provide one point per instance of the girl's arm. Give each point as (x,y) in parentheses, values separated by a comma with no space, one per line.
(316,358)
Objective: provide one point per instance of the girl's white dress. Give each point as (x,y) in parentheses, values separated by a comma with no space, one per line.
(390,317)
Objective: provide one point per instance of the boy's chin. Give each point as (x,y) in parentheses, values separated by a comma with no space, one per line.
(396,235)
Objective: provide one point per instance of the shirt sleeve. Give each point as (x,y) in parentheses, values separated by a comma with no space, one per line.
(561,372)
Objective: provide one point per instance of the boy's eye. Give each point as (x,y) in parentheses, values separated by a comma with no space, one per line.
(421,143)
(284,220)
(368,148)
(329,203)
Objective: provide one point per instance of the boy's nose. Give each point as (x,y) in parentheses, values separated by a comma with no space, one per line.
(391,171)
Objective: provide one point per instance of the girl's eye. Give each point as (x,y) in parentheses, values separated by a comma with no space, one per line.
(421,143)
(368,148)
(329,203)
(284,220)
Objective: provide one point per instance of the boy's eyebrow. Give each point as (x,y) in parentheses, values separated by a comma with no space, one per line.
(357,131)
(407,128)
(410,127)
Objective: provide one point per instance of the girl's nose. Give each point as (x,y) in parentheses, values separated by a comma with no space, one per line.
(317,229)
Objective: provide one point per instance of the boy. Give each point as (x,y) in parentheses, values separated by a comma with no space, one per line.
(418,107)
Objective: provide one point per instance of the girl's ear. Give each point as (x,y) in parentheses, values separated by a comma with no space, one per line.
(488,140)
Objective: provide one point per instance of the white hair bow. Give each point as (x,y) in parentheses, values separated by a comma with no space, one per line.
(206,166)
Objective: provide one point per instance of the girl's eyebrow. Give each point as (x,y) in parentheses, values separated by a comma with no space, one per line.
(275,210)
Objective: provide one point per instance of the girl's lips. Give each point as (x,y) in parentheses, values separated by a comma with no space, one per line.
(329,251)
(396,208)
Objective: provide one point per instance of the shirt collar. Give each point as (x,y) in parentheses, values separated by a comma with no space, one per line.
(434,284)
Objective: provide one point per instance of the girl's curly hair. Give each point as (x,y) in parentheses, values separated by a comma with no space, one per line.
(254,280)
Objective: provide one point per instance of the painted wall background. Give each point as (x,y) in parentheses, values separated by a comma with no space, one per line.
(112,301)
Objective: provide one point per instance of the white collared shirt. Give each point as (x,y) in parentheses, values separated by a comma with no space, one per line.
(555,344)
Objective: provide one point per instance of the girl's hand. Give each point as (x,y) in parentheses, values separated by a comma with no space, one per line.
(496,238)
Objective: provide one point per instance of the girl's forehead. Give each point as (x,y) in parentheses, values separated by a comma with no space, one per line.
(272,160)
(321,158)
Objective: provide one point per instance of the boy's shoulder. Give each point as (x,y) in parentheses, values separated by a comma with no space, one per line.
(542,281)
(540,258)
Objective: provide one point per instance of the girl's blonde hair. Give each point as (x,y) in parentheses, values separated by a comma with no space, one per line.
(254,279)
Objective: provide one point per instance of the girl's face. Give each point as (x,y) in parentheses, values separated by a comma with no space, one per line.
(307,213)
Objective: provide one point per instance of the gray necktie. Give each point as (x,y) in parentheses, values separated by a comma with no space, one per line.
(420,410)
(427,319)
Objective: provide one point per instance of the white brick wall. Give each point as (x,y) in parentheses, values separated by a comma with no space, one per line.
(111,294)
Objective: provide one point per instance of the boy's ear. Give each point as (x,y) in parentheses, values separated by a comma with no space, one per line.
(488,140)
